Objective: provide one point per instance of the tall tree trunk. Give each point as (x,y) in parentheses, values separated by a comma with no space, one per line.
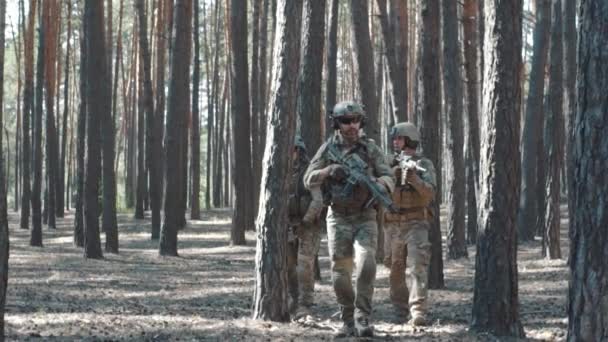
(569,17)
(309,95)
(243,212)
(452,85)
(141,151)
(178,107)
(17,48)
(256,162)
(495,298)
(428,108)
(528,212)
(263,74)
(152,138)
(470,29)
(80,148)
(332,56)
(195,139)
(396,75)
(66,86)
(50,15)
(4,238)
(365,66)
(96,95)
(28,111)
(587,309)
(270,292)
(36,232)
(554,137)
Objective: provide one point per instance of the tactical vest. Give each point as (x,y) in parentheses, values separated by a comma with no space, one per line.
(360,195)
(412,206)
(299,196)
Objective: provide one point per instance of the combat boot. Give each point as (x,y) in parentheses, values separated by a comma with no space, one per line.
(363,328)
(347,330)
(419,321)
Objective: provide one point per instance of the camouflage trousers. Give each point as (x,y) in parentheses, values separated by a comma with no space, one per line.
(411,249)
(352,241)
(302,247)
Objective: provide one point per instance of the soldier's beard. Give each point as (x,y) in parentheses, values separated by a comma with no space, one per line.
(350,135)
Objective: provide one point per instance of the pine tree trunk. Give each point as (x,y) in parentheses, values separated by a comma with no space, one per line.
(533,124)
(178,107)
(270,292)
(365,66)
(195,139)
(152,139)
(28,113)
(18,48)
(332,56)
(4,235)
(243,218)
(495,298)
(80,149)
(570,40)
(471,41)
(254,95)
(263,74)
(66,87)
(428,109)
(554,137)
(141,151)
(36,232)
(96,95)
(587,306)
(309,81)
(452,85)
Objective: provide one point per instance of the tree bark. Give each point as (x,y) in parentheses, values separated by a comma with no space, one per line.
(587,294)
(239,105)
(178,107)
(308,106)
(470,29)
(428,108)
(61,196)
(495,298)
(36,232)
(365,66)
(270,292)
(141,151)
(96,94)
(28,112)
(554,137)
(332,56)
(533,124)
(195,139)
(569,17)
(4,235)
(152,138)
(452,85)
(80,148)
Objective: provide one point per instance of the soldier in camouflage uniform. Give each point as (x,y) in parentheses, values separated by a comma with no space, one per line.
(409,227)
(351,228)
(303,237)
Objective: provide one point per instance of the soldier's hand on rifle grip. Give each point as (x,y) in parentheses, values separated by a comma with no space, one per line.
(412,177)
(336,172)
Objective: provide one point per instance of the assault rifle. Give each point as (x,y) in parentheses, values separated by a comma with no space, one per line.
(355,167)
(406,163)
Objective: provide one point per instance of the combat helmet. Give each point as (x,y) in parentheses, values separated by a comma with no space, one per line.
(347,108)
(406,129)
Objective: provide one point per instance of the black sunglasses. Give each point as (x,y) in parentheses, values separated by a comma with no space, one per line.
(348,120)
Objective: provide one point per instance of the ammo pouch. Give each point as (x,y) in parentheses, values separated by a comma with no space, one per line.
(411,206)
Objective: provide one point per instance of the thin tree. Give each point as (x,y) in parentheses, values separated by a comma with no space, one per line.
(311,68)
(81,145)
(140,195)
(195,138)
(470,30)
(528,212)
(365,66)
(36,232)
(495,298)
(152,138)
(452,87)
(66,102)
(96,95)
(17,47)
(254,90)
(332,56)
(428,108)
(554,136)
(4,237)
(239,107)
(28,111)
(178,107)
(569,18)
(587,310)
(270,292)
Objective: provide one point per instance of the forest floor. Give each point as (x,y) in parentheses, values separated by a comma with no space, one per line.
(206,293)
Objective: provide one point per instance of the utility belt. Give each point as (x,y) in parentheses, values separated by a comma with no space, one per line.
(349,209)
(407,214)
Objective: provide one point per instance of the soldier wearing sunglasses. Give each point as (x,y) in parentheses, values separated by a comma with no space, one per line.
(351,223)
